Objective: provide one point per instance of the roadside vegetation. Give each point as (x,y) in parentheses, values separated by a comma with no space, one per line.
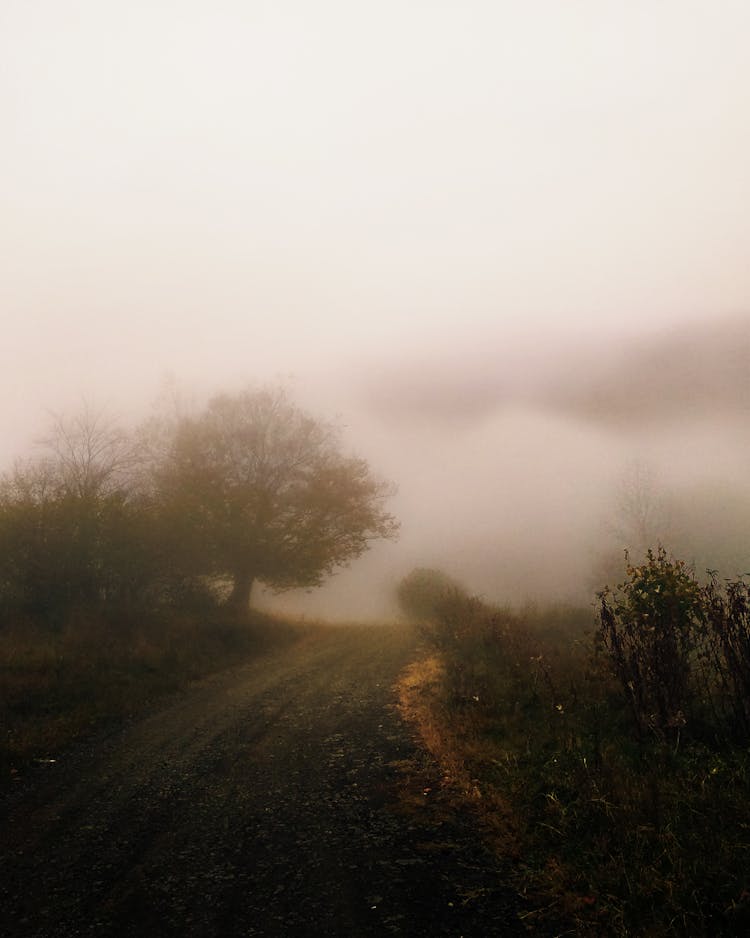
(128,557)
(605,750)
(60,686)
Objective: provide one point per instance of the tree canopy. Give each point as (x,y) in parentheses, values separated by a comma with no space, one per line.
(249,488)
(256,489)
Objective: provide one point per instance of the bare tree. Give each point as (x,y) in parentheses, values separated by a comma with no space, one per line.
(641,519)
(92,455)
(642,516)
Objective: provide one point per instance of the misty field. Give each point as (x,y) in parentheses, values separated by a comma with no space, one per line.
(604,753)
(620,809)
(300,297)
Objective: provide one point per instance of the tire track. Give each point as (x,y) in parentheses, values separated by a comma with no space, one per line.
(261,803)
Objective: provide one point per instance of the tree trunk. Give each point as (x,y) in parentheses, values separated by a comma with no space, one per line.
(239,598)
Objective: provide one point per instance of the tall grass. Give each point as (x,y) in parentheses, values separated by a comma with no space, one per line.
(681,650)
(56,686)
(621,749)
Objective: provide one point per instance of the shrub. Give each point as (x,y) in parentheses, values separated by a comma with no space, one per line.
(649,627)
(616,835)
(681,650)
(426,594)
(727,612)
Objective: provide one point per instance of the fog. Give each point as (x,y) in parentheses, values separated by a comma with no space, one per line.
(505,244)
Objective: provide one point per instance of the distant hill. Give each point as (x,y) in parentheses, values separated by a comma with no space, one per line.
(690,373)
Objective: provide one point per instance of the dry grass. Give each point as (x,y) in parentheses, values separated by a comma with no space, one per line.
(614,835)
(457,753)
(57,687)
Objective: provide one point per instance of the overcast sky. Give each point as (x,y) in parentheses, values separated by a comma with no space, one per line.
(349,192)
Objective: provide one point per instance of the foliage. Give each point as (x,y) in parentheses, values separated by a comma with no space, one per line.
(725,661)
(72,533)
(425,593)
(255,488)
(113,523)
(622,832)
(648,627)
(680,650)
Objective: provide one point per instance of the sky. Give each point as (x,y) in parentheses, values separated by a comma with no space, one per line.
(434,219)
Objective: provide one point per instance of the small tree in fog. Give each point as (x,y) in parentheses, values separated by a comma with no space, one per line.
(642,518)
(253,488)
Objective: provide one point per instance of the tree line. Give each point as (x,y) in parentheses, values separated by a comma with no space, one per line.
(185,509)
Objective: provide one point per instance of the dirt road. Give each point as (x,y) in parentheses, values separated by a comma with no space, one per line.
(262,802)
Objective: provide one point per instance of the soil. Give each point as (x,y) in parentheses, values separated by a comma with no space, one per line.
(284,797)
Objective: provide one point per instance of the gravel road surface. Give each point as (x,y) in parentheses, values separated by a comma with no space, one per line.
(262,802)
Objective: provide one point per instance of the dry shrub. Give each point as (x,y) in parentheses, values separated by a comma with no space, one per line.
(621,832)
(681,650)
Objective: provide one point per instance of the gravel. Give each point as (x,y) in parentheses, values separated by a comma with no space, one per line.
(281,798)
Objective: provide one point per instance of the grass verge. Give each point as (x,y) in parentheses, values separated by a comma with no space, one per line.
(58,687)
